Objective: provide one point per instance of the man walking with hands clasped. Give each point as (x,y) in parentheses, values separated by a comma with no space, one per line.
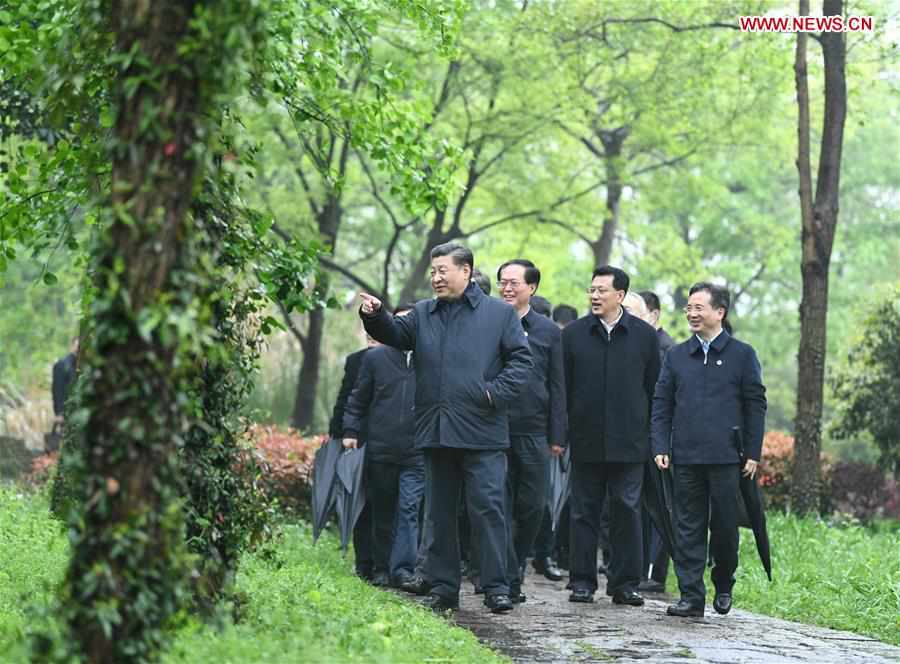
(611,361)
(710,385)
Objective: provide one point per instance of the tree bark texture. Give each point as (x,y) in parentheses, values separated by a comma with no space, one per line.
(127,562)
(819,215)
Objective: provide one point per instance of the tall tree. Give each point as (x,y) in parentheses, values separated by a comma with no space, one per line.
(169,71)
(819,216)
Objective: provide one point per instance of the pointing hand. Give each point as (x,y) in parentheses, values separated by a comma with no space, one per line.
(370,304)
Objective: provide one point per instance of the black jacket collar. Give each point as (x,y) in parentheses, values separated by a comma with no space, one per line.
(473,295)
(718,343)
(625,322)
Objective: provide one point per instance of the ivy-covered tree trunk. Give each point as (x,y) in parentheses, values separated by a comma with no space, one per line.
(127,574)
(819,220)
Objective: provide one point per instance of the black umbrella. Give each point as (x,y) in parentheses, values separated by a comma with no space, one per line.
(323,484)
(351,495)
(559,486)
(755,511)
(657,500)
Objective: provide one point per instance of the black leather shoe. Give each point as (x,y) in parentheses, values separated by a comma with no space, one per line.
(582,596)
(684,609)
(478,589)
(651,586)
(416,586)
(722,603)
(628,597)
(498,603)
(381,579)
(440,604)
(602,569)
(548,568)
(517,597)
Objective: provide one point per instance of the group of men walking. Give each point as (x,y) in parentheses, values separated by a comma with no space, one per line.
(469,399)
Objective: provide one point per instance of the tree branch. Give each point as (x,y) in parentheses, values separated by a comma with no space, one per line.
(359,281)
(289,322)
(571,229)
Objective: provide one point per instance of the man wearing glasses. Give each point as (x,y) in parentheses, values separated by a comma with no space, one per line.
(611,361)
(710,385)
(537,419)
(472,360)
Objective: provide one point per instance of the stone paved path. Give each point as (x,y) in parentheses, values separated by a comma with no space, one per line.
(550,629)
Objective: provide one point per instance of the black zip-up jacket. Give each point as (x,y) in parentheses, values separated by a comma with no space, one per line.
(472,360)
(385,393)
(351,372)
(64,375)
(541,407)
(609,388)
(699,400)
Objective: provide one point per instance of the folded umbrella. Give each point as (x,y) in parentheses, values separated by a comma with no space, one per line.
(754,510)
(559,486)
(351,495)
(657,500)
(323,484)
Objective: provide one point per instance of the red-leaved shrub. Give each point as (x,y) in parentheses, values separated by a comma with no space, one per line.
(42,467)
(286,459)
(775,469)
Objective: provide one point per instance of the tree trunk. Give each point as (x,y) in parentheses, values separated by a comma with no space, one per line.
(819,220)
(127,565)
(308,378)
(612,155)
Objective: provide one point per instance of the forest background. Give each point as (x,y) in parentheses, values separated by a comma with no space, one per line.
(574,134)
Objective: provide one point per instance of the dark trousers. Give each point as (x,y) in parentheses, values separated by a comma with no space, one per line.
(482,476)
(394,492)
(364,560)
(590,482)
(705,502)
(527,481)
(545,542)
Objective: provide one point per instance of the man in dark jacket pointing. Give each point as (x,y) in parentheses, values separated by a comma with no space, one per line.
(709,385)
(472,359)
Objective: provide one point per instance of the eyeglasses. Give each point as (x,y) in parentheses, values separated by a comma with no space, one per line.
(598,291)
(503,284)
(694,309)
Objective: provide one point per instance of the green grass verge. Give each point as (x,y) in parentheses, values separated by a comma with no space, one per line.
(311,608)
(842,577)
(301,605)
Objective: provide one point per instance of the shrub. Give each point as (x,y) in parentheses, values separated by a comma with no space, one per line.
(776,467)
(862,491)
(287,459)
(42,468)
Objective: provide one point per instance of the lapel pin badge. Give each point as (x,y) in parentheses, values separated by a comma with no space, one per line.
(718,363)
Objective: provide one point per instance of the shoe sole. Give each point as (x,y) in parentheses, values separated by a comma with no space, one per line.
(501,609)
(628,603)
(720,612)
(684,615)
(581,600)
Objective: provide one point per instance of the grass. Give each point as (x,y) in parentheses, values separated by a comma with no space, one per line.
(301,605)
(304,605)
(843,577)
